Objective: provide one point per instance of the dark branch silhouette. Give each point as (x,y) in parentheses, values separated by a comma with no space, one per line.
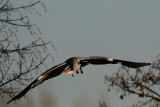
(19,59)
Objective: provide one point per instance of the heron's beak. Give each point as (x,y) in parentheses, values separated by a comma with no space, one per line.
(66,71)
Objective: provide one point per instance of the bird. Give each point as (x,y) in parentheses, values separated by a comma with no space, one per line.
(72,66)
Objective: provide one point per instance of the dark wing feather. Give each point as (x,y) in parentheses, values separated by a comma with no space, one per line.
(130,64)
(96,60)
(52,72)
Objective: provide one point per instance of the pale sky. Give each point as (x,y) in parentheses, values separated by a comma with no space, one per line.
(122,29)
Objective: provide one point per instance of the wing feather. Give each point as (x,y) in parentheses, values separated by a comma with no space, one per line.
(130,64)
(52,72)
(96,60)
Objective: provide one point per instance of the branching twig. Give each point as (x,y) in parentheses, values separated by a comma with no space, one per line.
(141,83)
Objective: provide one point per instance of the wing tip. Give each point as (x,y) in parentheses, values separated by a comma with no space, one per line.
(146,64)
(143,64)
(10,101)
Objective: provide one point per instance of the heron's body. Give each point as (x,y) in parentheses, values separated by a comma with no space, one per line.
(72,66)
(75,65)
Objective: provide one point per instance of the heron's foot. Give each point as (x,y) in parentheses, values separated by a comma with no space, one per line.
(81,71)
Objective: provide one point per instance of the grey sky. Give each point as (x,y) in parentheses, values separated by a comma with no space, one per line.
(121,29)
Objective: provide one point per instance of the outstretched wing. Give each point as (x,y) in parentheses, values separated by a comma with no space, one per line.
(104,60)
(52,72)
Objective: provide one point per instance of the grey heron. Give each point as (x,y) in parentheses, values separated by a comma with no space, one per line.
(72,66)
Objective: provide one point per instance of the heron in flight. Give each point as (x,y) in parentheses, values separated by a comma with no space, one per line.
(72,66)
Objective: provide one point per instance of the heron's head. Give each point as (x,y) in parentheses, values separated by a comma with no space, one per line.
(69,72)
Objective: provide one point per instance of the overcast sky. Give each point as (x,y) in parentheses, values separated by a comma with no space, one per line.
(122,29)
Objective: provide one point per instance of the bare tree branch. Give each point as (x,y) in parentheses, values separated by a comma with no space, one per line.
(144,84)
(19,59)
